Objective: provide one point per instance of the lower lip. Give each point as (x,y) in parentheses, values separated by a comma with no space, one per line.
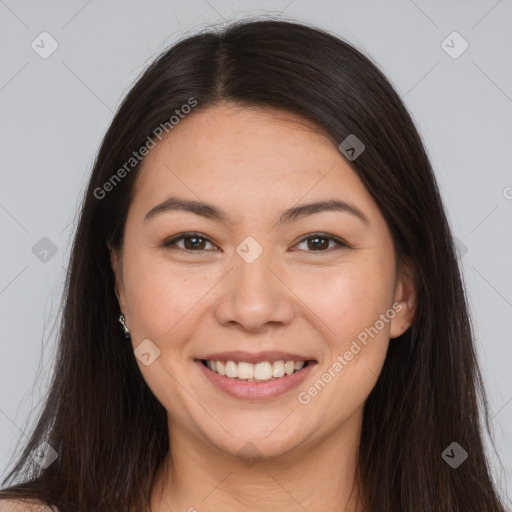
(256,390)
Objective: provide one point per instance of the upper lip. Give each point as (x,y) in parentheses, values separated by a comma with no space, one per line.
(255,357)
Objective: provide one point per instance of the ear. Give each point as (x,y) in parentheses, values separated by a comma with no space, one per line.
(116,263)
(405,298)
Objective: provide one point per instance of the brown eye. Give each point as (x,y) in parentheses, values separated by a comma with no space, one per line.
(192,242)
(195,242)
(319,242)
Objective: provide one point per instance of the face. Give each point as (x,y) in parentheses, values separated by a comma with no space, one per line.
(243,281)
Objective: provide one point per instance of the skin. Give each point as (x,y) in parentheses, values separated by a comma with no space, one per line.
(255,163)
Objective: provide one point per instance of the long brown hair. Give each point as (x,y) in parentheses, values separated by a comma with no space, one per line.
(99,409)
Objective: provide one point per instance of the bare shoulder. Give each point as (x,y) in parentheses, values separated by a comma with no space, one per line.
(23,506)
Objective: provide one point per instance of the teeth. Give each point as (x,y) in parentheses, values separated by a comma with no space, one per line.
(262,371)
(221,368)
(245,371)
(278,369)
(289,367)
(231,369)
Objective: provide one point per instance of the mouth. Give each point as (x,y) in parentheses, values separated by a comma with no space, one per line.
(263,371)
(258,380)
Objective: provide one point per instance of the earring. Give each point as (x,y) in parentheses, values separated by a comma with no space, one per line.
(123,324)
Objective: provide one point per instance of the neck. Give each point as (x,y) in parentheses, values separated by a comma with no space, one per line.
(316,476)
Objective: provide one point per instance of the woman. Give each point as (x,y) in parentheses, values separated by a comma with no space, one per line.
(263,222)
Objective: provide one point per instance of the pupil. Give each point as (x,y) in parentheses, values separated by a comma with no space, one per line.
(194,245)
(317,246)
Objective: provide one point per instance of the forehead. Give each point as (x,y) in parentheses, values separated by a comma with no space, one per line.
(250,157)
(225,134)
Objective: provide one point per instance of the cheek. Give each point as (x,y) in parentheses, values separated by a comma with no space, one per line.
(163,298)
(352,296)
(351,304)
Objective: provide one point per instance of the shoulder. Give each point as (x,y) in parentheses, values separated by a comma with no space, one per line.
(23,506)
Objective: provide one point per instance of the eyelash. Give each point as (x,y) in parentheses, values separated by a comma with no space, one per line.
(171,243)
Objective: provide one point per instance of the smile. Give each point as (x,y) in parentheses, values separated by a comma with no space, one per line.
(259,372)
(260,380)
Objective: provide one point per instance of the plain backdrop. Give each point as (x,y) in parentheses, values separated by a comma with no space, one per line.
(55,110)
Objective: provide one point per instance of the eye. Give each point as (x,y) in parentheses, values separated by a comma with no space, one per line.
(194,242)
(320,242)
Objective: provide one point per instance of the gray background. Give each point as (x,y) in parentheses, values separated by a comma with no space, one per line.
(54,112)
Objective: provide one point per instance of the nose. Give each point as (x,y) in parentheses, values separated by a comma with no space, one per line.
(254,297)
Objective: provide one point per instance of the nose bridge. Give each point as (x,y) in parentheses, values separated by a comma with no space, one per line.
(251,270)
(254,295)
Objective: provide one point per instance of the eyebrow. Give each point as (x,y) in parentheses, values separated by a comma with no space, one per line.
(210,211)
